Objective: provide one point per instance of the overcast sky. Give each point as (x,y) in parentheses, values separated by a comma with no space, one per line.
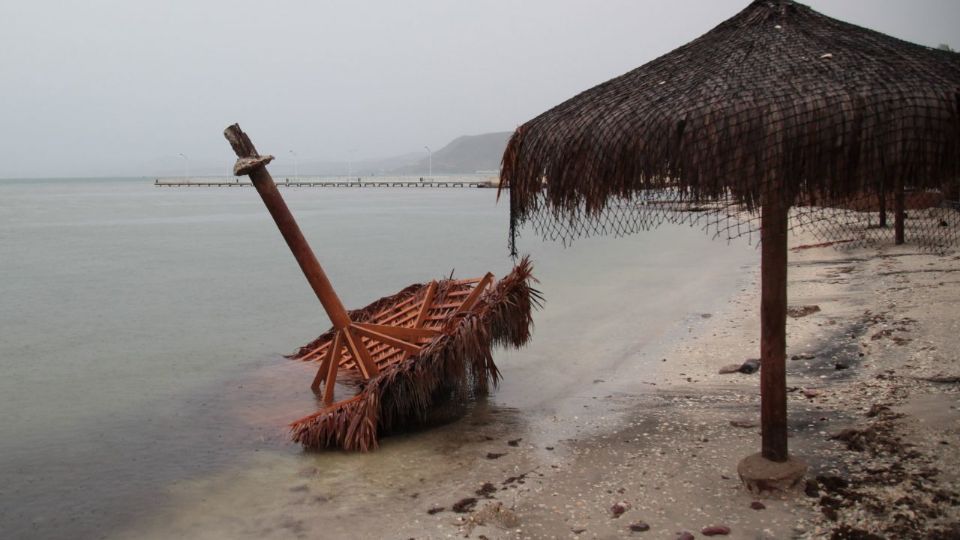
(121,87)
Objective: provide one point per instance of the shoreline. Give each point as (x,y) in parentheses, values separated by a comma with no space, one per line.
(878,432)
(662,437)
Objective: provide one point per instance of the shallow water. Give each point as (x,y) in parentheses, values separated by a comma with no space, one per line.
(142,389)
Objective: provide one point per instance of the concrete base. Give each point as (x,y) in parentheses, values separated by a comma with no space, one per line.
(761,475)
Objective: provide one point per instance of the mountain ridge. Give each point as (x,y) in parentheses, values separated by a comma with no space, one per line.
(466,154)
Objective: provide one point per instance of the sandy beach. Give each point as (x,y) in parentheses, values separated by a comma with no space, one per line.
(873,410)
(649,453)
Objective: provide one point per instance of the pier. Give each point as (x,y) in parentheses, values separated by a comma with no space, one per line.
(370,182)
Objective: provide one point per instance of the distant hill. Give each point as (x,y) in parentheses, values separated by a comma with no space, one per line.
(362,167)
(464,155)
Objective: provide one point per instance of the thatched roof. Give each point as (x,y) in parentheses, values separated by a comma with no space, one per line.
(778,93)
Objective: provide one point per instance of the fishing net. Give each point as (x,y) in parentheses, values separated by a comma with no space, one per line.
(931,221)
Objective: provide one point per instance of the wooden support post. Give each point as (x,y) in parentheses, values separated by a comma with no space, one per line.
(251,163)
(328,358)
(361,355)
(427,303)
(773,326)
(900,212)
(883,207)
(476,293)
(331,375)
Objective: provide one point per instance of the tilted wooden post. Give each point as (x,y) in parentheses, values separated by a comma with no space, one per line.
(251,163)
(773,326)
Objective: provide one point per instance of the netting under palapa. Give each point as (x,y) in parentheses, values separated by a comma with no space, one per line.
(932,222)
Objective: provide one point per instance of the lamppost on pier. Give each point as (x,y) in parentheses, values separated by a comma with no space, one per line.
(350,163)
(296,173)
(186,168)
(429,161)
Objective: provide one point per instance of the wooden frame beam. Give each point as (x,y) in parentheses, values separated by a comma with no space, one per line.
(389,340)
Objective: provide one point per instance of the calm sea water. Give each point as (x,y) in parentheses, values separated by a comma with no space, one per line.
(141,330)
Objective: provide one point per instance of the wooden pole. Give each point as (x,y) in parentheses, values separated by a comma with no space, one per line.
(900,213)
(773,327)
(251,163)
(883,207)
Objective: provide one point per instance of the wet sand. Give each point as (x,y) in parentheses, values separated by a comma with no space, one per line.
(657,428)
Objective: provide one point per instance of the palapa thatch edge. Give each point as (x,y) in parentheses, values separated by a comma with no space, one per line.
(458,364)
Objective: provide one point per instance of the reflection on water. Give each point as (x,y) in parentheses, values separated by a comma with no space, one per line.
(143,391)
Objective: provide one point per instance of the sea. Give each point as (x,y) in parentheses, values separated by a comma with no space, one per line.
(143,387)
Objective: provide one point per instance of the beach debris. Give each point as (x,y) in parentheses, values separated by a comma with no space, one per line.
(802,311)
(752,365)
(486,490)
(495,514)
(802,356)
(832,482)
(514,442)
(810,393)
(941,379)
(757,505)
(578,529)
(743,423)
(840,366)
(822,244)
(715,530)
(436,510)
(520,478)
(406,354)
(730,368)
(685,535)
(619,508)
(464,505)
(847,532)
(495,455)
(640,526)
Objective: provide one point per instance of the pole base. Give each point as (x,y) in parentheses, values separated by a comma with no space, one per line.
(760,475)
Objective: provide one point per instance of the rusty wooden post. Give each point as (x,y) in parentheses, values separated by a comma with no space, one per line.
(253,164)
(773,326)
(899,212)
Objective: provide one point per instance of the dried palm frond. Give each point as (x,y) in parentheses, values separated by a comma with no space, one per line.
(455,365)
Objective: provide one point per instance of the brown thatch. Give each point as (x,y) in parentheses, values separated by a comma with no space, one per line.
(826,110)
(457,364)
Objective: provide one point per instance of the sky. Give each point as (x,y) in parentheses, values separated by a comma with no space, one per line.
(138,88)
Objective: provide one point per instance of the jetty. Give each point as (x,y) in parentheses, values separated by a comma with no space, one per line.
(353,182)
